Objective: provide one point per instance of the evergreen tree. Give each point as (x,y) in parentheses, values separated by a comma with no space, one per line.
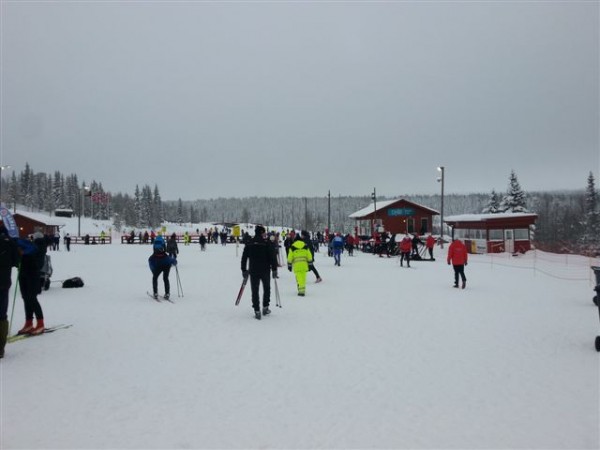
(514,200)
(157,208)
(179,211)
(137,207)
(591,221)
(493,205)
(13,190)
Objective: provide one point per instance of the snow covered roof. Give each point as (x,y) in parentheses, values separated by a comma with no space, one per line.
(488,216)
(42,218)
(382,205)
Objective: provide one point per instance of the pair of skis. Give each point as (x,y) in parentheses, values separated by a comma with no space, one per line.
(241,292)
(160,298)
(20,337)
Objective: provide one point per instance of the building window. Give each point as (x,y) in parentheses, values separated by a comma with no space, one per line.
(496,235)
(521,234)
(411,225)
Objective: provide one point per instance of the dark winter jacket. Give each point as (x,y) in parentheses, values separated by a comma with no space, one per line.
(9,258)
(172,247)
(160,260)
(261,254)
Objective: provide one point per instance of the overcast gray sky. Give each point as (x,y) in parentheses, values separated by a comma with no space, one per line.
(212,99)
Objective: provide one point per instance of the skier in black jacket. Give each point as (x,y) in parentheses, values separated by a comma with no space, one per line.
(309,244)
(9,258)
(262,260)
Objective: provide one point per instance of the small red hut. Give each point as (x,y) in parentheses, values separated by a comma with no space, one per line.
(494,233)
(395,216)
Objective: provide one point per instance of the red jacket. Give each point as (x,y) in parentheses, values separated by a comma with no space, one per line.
(457,253)
(406,245)
(430,241)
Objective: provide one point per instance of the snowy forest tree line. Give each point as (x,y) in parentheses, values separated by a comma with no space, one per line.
(567,220)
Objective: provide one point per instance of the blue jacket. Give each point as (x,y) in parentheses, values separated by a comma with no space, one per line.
(160,260)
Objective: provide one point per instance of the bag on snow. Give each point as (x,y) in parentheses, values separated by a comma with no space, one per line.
(74,282)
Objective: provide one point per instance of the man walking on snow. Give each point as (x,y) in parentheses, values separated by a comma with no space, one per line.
(458,256)
(263,260)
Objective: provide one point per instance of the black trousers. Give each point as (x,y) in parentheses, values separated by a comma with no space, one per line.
(165,271)
(4,303)
(459,270)
(405,255)
(315,271)
(30,288)
(255,280)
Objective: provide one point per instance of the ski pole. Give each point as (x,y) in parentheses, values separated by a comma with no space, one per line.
(179,287)
(277,297)
(14,299)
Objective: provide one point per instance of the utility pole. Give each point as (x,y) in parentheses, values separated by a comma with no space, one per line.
(374,197)
(441,179)
(328,211)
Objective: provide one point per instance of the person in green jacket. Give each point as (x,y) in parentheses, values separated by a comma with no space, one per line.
(300,259)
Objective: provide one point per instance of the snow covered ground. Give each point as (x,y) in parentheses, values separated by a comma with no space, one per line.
(376,356)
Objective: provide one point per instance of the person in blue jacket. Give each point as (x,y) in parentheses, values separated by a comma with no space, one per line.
(160,262)
(338,248)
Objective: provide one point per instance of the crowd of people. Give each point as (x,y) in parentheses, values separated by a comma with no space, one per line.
(260,261)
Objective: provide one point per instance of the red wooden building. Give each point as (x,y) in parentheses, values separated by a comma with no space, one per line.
(395,216)
(28,223)
(494,233)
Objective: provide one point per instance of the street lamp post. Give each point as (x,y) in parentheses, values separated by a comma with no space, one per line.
(441,179)
(82,194)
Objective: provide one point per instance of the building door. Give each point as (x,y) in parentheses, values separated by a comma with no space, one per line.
(509,241)
(424,226)
(411,225)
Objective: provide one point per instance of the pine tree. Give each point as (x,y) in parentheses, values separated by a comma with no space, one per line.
(13,190)
(493,205)
(591,221)
(137,206)
(157,208)
(514,200)
(179,211)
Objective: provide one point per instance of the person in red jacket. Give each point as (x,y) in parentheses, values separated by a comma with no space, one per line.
(405,247)
(430,243)
(458,256)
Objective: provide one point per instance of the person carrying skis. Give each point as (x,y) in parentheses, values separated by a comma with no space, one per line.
(9,258)
(458,257)
(160,262)
(299,259)
(262,258)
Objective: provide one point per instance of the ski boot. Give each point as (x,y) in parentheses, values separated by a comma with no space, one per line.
(266,311)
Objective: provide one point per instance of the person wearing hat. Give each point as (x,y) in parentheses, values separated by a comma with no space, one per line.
(262,260)
(309,244)
(300,261)
(9,258)
(458,257)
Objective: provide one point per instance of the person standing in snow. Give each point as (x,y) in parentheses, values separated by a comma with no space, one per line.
(160,262)
(458,257)
(172,247)
(9,258)
(32,258)
(308,241)
(259,251)
(405,247)
(430,243)
(299,259)
(338,247)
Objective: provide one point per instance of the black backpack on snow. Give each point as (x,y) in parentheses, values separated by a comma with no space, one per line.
(74,282)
